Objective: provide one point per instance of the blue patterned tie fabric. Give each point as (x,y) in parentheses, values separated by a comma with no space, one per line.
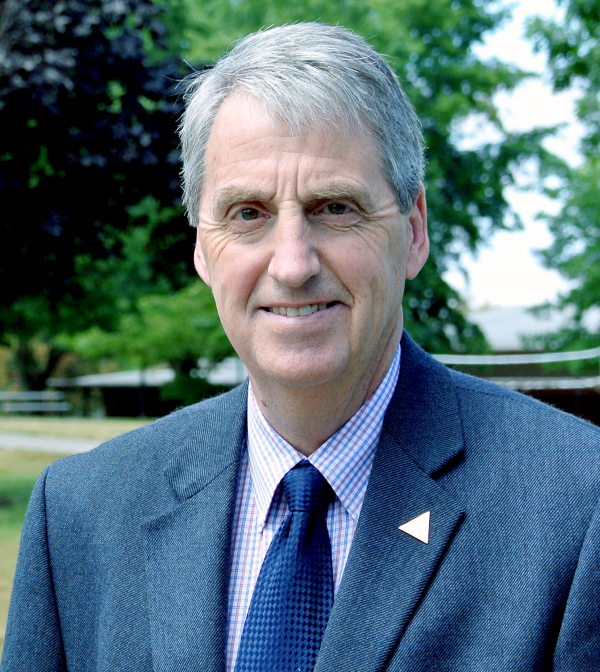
(294,592)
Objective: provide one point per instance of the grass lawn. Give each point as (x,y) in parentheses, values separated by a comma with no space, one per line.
(97,429)
(19,470)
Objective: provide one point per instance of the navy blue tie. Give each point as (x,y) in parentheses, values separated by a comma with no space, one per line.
(294,591)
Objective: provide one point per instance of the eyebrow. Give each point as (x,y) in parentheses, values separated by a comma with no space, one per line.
(342,191)
(231,194)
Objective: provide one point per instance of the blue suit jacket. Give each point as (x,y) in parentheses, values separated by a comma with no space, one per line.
(125,551)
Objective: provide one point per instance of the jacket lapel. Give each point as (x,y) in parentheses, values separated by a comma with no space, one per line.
(388,570)
(187,546)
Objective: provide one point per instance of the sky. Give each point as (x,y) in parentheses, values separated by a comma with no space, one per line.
(506,272)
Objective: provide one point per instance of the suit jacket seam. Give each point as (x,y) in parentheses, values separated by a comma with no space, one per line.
(44,478)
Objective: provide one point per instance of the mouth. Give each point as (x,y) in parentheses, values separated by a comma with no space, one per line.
(293,311)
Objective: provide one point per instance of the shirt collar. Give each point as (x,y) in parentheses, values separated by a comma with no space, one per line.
(345,459)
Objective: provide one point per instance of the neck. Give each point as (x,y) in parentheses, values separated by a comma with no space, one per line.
(307,416)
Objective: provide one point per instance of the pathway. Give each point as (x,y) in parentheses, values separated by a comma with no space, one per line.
(46,444)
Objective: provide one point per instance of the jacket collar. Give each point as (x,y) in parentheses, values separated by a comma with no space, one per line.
(388,571)
(423,416)
(214,444)
(186,546)
(387,574)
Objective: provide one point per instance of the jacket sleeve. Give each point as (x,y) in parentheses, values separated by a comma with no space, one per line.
(578,646)
(33,639)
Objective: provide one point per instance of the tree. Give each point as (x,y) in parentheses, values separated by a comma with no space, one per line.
(176,328)
(430,44)
(89,170)
(573,50)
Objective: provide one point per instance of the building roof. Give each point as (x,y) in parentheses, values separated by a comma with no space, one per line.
(504,328)
(228,373)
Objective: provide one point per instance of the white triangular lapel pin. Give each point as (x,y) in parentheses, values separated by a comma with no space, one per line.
(418,527)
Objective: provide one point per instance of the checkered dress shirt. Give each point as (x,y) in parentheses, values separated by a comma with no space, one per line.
(345,460)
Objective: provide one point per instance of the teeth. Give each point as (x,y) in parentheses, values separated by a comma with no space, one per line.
(295,312)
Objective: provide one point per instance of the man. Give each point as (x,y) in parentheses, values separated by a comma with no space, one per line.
(457,524)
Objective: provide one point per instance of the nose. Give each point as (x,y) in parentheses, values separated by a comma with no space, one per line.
(294,259)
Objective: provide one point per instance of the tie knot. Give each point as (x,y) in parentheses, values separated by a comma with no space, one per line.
(306,489)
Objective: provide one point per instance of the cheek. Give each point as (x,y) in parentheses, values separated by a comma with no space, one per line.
(237,273)
(393,269)
(366,272)
(377,284)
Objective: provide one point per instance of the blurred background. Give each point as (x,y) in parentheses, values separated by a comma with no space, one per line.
(101,315)
(100,311)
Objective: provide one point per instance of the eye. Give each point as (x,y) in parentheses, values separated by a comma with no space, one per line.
(248,214)
(336,209)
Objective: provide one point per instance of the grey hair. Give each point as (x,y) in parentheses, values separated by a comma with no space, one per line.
(307,75)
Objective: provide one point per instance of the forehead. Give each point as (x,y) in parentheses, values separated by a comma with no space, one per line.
(248,146)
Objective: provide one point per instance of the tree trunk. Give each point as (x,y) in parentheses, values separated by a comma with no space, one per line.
(33,370)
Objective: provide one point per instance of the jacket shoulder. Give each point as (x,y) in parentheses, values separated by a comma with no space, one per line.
(136,461)
(485,404)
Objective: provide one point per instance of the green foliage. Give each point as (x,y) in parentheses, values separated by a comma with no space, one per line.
(90,190)
(573,49)
(36,326)
(88,170)
(185,390)
(176,328)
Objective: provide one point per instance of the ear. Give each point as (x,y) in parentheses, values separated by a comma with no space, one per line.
(418,247)
(199,260)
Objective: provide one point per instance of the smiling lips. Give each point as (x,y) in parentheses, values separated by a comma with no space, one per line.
(303,310)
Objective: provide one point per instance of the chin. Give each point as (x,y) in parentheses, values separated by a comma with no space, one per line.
(302,369)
